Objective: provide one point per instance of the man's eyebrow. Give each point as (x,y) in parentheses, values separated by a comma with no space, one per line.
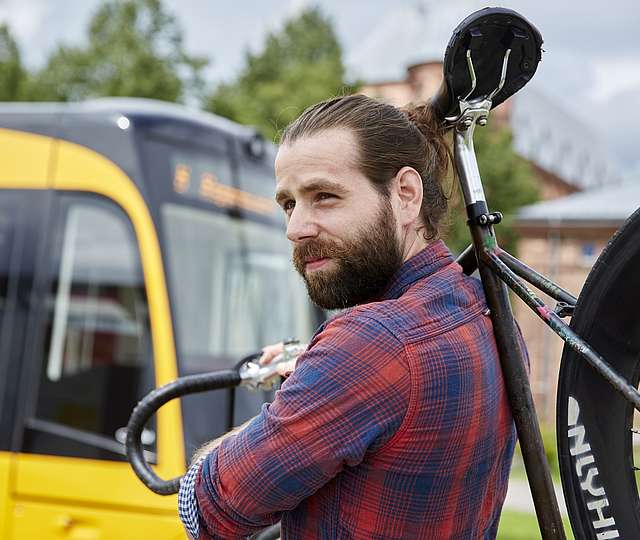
(312,186)
(282,195)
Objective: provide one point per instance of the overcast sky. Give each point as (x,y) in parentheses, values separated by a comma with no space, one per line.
(591,64)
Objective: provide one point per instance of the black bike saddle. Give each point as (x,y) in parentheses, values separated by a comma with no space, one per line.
(488,34)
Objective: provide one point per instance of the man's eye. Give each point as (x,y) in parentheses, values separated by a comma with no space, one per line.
(288,205)
(323,196)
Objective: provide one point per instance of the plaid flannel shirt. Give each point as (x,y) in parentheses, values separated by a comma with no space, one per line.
(394,425)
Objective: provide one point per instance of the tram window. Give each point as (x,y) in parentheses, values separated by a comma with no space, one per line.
(5,277)
(97,360)
(5,260)
(234,286)
(234,290)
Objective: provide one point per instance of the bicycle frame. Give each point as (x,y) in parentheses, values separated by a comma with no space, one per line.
(498,270)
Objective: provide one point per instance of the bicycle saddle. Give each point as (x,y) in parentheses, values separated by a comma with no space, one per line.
(483,39)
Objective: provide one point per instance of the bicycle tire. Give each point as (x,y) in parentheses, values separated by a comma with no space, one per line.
(593,420)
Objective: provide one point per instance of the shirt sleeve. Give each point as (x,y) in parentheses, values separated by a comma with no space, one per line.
(347,396)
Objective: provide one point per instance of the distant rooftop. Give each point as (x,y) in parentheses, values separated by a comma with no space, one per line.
(559,141)
(606,205)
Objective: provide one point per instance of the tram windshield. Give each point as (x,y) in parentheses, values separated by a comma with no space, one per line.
(233,291)
(234,288)
(231,282)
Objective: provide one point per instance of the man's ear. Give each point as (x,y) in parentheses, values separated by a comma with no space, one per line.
(407,187)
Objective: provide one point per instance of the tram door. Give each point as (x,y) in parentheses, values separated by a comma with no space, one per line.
(90,351)
(15,286)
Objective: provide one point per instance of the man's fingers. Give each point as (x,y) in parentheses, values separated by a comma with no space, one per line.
(270,352)
(287,368)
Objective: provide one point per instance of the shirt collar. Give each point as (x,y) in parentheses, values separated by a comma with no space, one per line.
(424,263)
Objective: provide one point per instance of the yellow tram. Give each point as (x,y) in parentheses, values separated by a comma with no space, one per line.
(139,241)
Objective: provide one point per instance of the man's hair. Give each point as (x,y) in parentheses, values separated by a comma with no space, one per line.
(389,138)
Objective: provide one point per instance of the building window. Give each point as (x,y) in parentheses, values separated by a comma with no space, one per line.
(588,254)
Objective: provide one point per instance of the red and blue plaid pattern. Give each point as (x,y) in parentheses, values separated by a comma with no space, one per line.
(394,424)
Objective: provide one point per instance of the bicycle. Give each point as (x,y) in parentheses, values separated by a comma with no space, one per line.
(595,453)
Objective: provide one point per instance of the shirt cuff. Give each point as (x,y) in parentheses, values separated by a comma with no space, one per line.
(187,502)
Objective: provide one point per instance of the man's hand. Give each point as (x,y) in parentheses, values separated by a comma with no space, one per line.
(270,352)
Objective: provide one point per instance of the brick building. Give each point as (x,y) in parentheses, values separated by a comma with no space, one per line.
(562,238)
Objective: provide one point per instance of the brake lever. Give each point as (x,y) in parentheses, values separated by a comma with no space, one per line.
(255,376)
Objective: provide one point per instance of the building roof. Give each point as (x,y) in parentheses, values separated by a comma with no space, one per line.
(559,141)
(602,206)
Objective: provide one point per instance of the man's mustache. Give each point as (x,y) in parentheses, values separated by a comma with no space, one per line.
(316,249)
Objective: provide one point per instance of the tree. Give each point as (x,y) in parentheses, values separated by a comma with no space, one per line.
(12,74)
(299,65)
(508,184)
(134,48)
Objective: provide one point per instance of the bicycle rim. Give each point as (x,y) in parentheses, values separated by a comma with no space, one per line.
(594,422)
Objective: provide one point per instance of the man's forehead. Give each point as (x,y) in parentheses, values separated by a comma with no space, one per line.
(337,147)
(328,155)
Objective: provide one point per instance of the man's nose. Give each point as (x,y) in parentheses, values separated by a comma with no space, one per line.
(301,225)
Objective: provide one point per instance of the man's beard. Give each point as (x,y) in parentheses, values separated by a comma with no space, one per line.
(365,264)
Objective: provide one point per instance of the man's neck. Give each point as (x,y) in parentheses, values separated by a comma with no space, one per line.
(413,244)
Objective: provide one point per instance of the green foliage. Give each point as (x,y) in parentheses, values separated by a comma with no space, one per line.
(12,74)
(134,49)
(522,526)
(550,450)
(299,66)
(508,183)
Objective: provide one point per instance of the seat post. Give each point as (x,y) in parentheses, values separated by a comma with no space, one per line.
(511,355)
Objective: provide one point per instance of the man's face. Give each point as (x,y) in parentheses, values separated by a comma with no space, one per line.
(343,231)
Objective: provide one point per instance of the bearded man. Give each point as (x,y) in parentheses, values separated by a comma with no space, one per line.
(394,423)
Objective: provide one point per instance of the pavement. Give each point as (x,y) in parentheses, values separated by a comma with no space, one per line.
(519,497)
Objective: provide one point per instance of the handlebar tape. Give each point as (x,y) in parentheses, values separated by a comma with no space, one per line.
(191,384)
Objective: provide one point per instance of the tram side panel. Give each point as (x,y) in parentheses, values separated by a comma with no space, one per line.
(24,178)
(90,348)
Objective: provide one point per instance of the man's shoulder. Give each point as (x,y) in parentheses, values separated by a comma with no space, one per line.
(373,317)
(351,331)
(430,305)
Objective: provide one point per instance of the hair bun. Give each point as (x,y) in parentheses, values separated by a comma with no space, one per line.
(425,119)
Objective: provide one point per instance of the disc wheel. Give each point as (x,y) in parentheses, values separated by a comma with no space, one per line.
(595,424)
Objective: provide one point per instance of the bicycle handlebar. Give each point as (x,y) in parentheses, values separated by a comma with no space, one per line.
(246,373)
(150,404)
